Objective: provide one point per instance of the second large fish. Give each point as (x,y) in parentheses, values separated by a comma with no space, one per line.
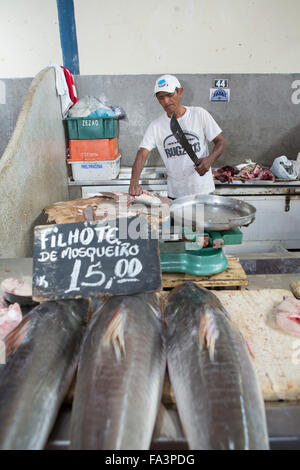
(215,385)
(120,377)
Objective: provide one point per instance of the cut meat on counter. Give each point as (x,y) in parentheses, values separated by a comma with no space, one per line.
(16,290)
(252,171)
(10,318)
(17,287)
(259,173)
(225,174)
(3,303)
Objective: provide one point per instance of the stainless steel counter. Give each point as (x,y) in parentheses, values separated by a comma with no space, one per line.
(158,175)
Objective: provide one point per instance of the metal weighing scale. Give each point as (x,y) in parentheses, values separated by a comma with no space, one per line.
(201,252)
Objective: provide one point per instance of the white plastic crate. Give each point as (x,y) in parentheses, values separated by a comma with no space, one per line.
(96,170)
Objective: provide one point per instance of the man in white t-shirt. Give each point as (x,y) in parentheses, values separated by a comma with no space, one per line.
(199,127)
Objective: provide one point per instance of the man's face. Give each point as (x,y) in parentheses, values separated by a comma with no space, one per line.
(169,101)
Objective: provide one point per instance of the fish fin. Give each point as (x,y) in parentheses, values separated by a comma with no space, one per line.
(90,311)
(114,334)
(208,333)
(154,303)
(248,346)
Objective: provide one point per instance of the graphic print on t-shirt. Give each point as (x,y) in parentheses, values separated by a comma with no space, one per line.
(173,148)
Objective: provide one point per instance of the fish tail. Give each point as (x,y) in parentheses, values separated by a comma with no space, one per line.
(114,334)
(208,333)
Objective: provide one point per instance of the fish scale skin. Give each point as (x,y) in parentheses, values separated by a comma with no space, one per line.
(37,376)
(219,402)
(116,402)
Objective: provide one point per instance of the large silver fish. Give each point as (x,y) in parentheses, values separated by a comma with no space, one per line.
(120,376)
(42,355)
(215,385)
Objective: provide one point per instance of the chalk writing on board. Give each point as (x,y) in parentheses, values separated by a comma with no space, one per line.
(82,259)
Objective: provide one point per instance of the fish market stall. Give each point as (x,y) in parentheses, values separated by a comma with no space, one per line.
(240,339)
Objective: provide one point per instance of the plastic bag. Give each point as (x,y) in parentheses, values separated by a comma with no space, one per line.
(102,112)
(84,107)
(283,168)
(119,111)
(116,109)
(89,106)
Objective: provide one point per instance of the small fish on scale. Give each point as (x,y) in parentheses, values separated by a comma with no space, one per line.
(110,205)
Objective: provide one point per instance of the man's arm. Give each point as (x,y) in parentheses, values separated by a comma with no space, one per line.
(207,162)
(140,160)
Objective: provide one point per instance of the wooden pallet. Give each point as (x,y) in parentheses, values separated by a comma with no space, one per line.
(233,276)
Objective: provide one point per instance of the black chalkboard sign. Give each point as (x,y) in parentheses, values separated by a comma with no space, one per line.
(89,258)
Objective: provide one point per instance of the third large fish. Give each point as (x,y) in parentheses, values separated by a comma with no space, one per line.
(214,381)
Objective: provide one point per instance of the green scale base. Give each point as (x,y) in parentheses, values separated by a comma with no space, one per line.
(186,257)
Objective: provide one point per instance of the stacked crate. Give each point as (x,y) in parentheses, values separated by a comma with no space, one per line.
(93,148)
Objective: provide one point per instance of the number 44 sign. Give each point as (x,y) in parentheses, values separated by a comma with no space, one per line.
(221,83)
(86,259)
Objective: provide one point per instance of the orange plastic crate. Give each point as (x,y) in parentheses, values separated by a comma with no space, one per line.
(95,149)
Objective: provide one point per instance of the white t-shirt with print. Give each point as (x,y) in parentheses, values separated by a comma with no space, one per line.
(199,128)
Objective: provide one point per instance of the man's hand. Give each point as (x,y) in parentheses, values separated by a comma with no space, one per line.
(140,159)
(204,166)
(134,188)
(207,162)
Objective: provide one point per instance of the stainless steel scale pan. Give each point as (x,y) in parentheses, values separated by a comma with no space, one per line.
(220,213)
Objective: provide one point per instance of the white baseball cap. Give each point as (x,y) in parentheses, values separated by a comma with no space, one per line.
(167,83)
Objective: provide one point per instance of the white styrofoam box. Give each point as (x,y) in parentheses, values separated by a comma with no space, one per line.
(95,170)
